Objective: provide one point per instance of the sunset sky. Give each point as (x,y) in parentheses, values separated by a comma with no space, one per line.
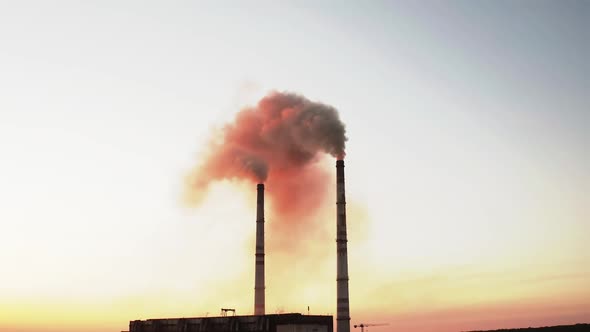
(467,167)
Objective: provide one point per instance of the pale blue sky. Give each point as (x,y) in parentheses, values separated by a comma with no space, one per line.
(468,121)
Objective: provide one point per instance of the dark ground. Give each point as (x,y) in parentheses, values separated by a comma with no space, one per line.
(560,328)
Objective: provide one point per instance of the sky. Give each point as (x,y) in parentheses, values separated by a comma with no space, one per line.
(467,162)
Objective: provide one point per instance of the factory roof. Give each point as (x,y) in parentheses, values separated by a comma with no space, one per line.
(251,323)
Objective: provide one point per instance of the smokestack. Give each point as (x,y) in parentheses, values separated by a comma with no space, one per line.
(342,303)
(259,273)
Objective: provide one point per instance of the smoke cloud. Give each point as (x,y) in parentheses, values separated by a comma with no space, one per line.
(277,142)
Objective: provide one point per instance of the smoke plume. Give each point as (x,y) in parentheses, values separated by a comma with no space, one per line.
(277,142)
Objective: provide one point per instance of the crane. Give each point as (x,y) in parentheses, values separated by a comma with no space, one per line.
(363,325)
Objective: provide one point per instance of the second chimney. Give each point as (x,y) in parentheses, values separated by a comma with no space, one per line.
(342,304)
(259,272)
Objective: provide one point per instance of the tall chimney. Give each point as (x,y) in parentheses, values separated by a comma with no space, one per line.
(342,303)
(259,273)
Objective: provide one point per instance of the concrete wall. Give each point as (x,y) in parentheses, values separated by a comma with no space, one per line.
(302,328)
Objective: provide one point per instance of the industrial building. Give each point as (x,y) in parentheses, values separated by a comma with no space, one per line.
(260,321)
(255,323)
